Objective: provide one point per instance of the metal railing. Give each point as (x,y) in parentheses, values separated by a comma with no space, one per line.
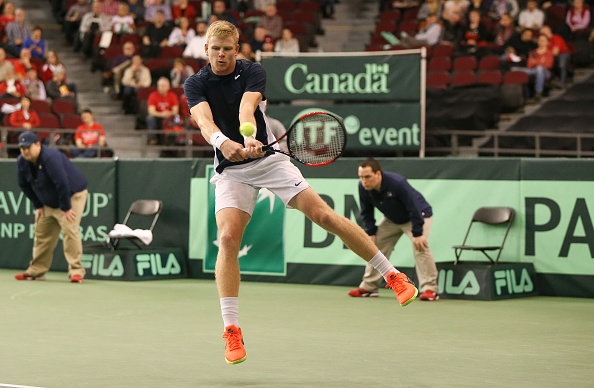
(185,149)
(495,149)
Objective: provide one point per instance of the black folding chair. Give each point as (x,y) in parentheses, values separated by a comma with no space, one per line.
(143,208)
(489,216)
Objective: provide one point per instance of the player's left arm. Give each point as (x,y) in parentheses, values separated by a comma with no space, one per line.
(248,105)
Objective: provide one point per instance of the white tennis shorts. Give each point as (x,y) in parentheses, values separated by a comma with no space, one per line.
(238,186)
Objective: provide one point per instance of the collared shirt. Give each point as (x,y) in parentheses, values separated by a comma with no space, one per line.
(431,34)
(50,181)
(397,200)
(15,30)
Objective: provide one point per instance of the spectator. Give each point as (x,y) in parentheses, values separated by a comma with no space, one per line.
(11,87)
(162,104)
(400,4)
(499,7)
(137,10)
(16,33)
(540,62)
(73,18)
(180,73)
(35,43)
(428,7)
(480,6)
(560,51)
(135,76)
(183,9)
(182,35)
(578,17)
(504,30)
(219,9)
(151,12)
(257,41)
(25,117)
(111,7)
(24,62)
(155,36)
(52,63)
(453,29)
(246,52)
(268,45)
(92,24)
(123,22)
(5,66)
(428,36)
(89,135)
(57,89)
(118,65)
(272,22)
(7,17)
(34,86)
(455,6)
(196,46)
(288,43)
(476,33)
(241,6)
(532,17)
(518,47)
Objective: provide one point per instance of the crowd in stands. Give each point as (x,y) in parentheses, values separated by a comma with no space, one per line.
(481,41)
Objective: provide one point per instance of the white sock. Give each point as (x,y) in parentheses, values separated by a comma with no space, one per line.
(230,311)
(382,264)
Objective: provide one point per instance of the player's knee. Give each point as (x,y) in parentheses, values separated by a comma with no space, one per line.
(229,239)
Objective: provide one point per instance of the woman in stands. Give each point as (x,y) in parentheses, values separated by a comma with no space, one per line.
(7,17)
(25,118)
(476,34)
(287,43)
(183,9)
(52,63)
(540,63)
(181,35)
(180,73)
(578,19)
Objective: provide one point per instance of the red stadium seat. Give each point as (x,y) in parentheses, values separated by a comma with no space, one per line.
(464,63)
(112,51)
(309,6)
(171,52)
(443,50)
(438,80)
(410,14)
(489,62)
(70,121)
(490,77)
(389,26)
(143,93)
(60,107)
(49,121)
(408,26)
(463,78)
(254,13)
(391,15)
(130,38)
(439,64)
(303,17)
(286,5)
(41,106)
(515,77)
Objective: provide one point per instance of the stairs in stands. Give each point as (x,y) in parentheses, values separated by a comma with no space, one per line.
(351,28)
(125,143)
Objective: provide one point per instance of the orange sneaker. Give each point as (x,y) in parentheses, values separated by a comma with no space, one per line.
(405,290)
(234,350)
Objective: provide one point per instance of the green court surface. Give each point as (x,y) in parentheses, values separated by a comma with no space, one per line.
(168,334)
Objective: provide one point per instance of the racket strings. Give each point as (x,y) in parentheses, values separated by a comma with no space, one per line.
(317,139)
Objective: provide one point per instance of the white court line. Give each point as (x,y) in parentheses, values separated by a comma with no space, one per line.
(16,386)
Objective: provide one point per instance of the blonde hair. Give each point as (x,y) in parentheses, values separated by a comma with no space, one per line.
(222,29)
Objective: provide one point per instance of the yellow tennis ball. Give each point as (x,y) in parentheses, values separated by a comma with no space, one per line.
(247,129)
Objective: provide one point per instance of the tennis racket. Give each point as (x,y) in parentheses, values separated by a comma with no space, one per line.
(314,139)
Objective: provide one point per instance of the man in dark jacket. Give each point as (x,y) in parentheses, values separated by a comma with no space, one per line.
(405,212)
(58,191)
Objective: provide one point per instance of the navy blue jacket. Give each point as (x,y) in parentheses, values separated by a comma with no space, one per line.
(397,200)
(51,181)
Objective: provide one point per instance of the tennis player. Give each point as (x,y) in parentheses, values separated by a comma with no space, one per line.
(222,96)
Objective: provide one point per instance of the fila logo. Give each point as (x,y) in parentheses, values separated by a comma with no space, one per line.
(468,286)
(95,263)
(505,280)
(153,262)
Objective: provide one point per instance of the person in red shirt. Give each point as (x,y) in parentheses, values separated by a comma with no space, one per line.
(162,104)
(560,51)
(7,17)
(182,8)
(540,63)
(25,118)
(23,63)
(11,87)
(88,136)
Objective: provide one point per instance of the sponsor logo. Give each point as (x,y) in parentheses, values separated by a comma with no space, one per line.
(468,286)
(506,282)
(155,264)
(98,264)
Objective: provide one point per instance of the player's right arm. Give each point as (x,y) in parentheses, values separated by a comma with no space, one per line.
(231,150)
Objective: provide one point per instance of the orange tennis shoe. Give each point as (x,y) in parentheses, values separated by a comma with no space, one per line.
(405,290)
(234,350)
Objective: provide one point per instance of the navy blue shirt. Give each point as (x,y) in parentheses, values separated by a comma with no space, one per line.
(397,200)
(224,94)
(50,181)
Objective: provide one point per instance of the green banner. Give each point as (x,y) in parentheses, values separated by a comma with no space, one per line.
(370,78)
(261,249)
(17,213)
(394,126)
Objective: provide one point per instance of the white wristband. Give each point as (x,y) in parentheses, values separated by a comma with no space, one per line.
(218,138)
